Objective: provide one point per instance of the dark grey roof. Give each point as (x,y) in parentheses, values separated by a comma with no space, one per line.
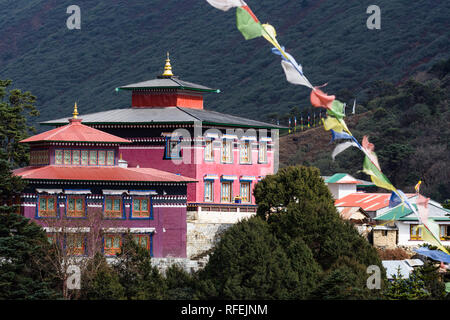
(167,82)
(163,115)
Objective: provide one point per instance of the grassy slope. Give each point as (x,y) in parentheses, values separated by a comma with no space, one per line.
(122,42)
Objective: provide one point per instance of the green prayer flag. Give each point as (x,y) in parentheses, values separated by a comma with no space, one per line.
(247,23)
(377,177)
(337,109)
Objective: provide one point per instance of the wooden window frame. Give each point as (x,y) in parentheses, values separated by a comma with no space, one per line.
(249,196)
(47,213)
(73,157)
(87,157)
(227,145)
(75,251)
(412,237)
(443,237)
(113,214)
(76,213)
(112,251)
(57,151)
(140,215)
(96,157)
(248,145)
(211,182)
(169,154)
(108,152)
(141,236)
(104,158)
(262,152)
(230,193)
(209,150)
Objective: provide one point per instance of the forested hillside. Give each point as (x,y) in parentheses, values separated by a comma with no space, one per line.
(409,125)
(122,42)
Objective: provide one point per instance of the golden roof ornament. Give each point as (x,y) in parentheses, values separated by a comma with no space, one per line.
(167,68)
(75,111)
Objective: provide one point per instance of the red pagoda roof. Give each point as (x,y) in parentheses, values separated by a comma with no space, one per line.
(99,174)
(75,131)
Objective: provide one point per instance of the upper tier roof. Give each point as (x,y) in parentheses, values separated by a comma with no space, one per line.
(75,131)
(165,115)
(164,82)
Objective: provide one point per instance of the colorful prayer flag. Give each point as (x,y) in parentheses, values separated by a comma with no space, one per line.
(422,207)
(377,177)
(333,123)
(430,234)
(395,200)
(339,135)
(247,23)
(341,147)
(417,187)
(320,99)
(226,5)
(337,109)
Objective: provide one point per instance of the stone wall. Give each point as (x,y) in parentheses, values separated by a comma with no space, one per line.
(386,239)
(201,238)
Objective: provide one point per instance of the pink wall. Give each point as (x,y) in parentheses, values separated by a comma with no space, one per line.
(153,156)
(169,238)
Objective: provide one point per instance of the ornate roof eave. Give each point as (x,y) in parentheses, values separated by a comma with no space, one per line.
(106,182)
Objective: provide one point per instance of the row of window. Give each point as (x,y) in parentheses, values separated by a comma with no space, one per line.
(39,157)
(173,151)
(76,244)
(226,191)
(84,157)
(112,207)
(416,233)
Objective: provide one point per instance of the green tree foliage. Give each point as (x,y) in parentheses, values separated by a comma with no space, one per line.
(294,248)
(249,263)
(100,281)
(140,280)
(15,109)
(179,283)
(412,288)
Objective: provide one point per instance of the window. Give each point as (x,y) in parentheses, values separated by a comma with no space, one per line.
(141,208)
(58,157)
(227,151)
(112,244)
(245,152)
(76,157)
(262,154)
(102,158)
(75,207)
(67,157)
(38,157)
(113,207)
(84,157)
(93,157)
(143,240)
(47,206)
(414,232)
(209,191)
(209,151)
(226,191)
(245,192)
(110,158)
(75,244)
(51,237)
(173,149)
(445,232)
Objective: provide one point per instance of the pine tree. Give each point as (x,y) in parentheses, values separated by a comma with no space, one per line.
(100,281)
(140,280)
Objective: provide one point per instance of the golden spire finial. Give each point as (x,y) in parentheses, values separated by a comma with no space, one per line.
(167,67)
(75,111)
